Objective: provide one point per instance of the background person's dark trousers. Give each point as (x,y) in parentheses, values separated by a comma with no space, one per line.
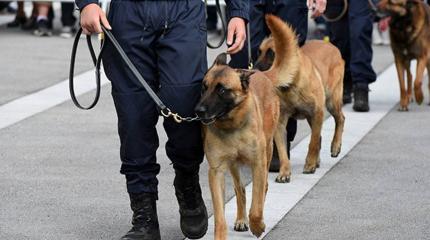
(67,17)
(295,12)
(353,36)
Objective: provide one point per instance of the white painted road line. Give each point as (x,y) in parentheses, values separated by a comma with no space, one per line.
(27,106)
(281,198)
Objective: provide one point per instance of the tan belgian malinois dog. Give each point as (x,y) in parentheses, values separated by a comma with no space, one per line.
(309,79)
(240,109)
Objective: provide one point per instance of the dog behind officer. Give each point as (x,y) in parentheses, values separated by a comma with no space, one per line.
(294,12)
(166,40)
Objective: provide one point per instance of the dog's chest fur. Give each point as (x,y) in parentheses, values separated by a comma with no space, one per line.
(232,145)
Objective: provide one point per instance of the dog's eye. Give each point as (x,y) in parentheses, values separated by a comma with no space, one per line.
(221,91)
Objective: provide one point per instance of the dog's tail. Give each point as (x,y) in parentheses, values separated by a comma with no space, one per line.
(286,64)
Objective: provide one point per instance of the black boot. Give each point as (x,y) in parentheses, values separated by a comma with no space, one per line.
(145,220)
(275,164)
(361,100)
(194,216)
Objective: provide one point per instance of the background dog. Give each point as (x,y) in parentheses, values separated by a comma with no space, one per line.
(241,110)
(410,39)
(309,78)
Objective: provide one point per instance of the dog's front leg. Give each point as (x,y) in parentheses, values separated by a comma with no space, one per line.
(314,146)
(400,67)
(241,224)
(421,65)
(216,183)
(259,183)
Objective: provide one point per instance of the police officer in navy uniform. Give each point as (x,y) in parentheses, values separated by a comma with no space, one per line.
(352,34)
(166,40)
(295,12)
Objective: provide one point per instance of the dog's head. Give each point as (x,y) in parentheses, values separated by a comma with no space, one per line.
(223,89)
(394,7)
(266,55)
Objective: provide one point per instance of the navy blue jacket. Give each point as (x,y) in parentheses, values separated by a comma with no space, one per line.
(235,8)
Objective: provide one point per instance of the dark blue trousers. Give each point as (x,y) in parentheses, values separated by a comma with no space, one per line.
(166,40)
(295,12)
(353,36)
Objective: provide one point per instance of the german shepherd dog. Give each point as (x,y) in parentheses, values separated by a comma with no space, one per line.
(410,39)
(240,112)
(309,78)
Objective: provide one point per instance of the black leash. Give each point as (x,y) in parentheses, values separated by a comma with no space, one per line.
(165,111)
(223,25)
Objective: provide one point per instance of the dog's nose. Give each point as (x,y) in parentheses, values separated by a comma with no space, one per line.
(200,110)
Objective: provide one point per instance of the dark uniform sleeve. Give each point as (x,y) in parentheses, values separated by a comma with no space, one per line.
(82,3)
(238,8)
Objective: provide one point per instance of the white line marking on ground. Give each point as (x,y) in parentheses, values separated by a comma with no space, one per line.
(281,198)
(27,106)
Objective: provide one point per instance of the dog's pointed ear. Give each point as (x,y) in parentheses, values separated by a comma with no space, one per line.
(221,59)
(244,77)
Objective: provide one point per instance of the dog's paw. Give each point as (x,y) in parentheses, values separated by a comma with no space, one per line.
(283,178)
(257,227)
(241,225)
(419,97)
(335,150)
(403,109)
(309,169)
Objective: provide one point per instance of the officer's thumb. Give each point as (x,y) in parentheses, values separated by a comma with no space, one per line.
(105,22)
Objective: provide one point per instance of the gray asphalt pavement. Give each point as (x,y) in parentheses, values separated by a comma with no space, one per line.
(59,174)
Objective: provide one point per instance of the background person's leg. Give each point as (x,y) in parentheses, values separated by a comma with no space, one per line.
(339,36)
(362,73)
(43,24)
(68,19)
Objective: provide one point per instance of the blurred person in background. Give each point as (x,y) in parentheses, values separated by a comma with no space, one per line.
(352,34)
(20,17)
(68,19)
(43,19)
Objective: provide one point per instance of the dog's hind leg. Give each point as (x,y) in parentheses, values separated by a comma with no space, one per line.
(314,146)
(401,75)
(241,224)
(334,106)
(421,64)
(259,185)
(216,184)
(284,175)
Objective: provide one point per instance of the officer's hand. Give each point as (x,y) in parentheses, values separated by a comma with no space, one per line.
(236,32)
(91,16)
(317,7)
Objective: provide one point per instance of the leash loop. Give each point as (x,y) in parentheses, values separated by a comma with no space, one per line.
(223,25)
(107,35)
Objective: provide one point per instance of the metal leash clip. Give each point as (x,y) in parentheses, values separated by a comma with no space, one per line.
(166,112)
